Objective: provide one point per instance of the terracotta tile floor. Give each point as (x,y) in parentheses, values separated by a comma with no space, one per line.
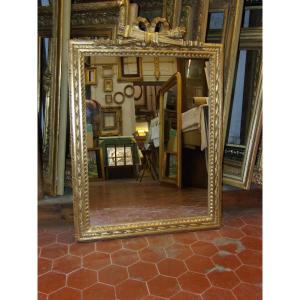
(209,265)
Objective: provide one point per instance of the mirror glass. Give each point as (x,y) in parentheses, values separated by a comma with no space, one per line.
(242,108)
(147,154)
(252,17)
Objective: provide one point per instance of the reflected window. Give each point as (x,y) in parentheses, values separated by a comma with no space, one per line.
(119,156)
(252,17)
(215,20)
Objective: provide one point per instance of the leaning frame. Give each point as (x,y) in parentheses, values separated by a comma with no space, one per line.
(84,231)
(244,180)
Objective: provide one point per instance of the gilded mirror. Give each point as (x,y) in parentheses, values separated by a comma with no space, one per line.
(132,196)
(245,127)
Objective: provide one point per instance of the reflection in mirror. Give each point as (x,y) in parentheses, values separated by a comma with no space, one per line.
(245,120)
(136,147)
(252,17)
(215,20)
(243,96)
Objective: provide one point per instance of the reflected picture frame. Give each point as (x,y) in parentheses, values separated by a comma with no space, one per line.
(111,121)
(107,85)
(91,76)
(130,69)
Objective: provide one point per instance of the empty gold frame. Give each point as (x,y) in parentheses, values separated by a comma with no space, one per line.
(211,218)
(228,34)
(239,173)
(170,145)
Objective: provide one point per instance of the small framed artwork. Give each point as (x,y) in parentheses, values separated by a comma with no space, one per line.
(129,90)
(91,76)
(140,95)
(119,98)
(111,121)
(107,71)
(130,69)
(108,99)
(108,85)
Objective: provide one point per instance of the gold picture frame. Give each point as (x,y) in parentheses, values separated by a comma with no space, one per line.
(111,121)
(107,71)
(109,99)
(240,174)
(108,85)
(229,36)
(84,231)
(91,76)
(130,69)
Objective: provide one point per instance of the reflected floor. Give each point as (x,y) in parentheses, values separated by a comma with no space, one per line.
(127,200)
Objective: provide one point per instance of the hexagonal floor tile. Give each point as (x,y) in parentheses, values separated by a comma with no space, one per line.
(113,275)
(185,238)
(82,249)
(233,222)
(252,243)
(251,257)
(82,278)
(252,230)
(218,294)
(178,251)
(124,257)
(99,291)
(163,240)
(171,267)
(163,286)
(249,274)
(131,289)
(96,261)
(135,243)
(231,232)
(51,282)
(193,282)
(108,246)
(67,264)
(65,294)
(208,235)
(46,238)
(152,254)
(44,265)
(252,219)
(223,278)
(54,251)
(142,271)
(229,261)
(42,296)
(182,295)
(204,248)
(248,292)
(199,264)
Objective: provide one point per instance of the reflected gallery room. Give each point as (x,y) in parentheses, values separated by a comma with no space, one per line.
(150,149)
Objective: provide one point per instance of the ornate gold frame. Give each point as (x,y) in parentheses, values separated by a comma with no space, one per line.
(246,168)
(130,47)
(96,19)
(233,13)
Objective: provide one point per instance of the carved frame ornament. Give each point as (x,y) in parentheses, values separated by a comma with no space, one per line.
(136,47)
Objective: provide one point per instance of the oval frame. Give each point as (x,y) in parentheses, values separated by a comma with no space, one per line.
(115,98)
(129,95)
